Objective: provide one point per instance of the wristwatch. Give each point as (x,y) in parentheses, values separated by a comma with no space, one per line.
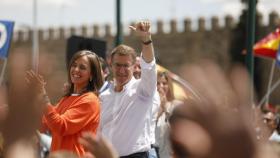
(147,42)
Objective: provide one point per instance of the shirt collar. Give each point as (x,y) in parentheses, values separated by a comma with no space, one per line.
(126,86)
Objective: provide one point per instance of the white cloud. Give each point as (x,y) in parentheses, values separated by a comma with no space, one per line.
(75,12)
(232,8)
(266,9)
(215,1)
(263,9)
(11,2)
(268,5)
(29,3)
(40,2)
(65,3)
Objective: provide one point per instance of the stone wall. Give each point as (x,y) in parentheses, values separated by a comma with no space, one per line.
(173,48)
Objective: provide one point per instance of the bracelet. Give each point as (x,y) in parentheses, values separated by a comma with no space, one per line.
(147,42)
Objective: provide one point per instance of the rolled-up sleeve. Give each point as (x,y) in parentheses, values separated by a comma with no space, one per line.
(74,119)
(148,81)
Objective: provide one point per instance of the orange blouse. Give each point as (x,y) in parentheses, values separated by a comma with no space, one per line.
(71,117)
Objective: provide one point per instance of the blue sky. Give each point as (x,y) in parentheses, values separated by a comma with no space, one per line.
(78,12)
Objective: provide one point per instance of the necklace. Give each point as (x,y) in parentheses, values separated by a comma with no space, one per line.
(79,93)
(75,94)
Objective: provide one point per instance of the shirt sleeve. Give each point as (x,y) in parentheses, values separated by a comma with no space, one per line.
(148,81)
(44,126)
(74,119)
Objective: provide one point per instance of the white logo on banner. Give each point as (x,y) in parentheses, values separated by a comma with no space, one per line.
(3,35)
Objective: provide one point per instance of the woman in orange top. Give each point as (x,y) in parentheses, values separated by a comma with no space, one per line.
(79,110)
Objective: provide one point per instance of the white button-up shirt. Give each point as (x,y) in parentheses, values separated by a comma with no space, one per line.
(126,115)
(155,109)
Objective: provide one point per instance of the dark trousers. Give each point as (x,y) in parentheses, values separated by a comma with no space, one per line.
(137,155)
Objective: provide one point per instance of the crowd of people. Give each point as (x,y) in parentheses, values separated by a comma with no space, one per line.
(135,114)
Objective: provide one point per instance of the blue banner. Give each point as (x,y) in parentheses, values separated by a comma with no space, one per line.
(278,57)
(6,32)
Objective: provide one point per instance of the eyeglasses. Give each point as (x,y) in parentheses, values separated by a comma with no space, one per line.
(118,65)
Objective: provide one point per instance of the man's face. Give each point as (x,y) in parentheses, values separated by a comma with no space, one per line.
(269,119)
(122,68)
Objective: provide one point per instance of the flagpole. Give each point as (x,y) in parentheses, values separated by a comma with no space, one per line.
(3,71)
(250,42)
(275,85)
(118,39)
(35,44)
(270,80)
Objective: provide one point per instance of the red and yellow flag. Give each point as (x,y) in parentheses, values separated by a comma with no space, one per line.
(268,46)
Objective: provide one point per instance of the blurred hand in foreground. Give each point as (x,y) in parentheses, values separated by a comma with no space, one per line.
(99,147)
(218,124)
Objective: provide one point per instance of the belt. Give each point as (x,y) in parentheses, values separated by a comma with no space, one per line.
(154,146)
(137,155)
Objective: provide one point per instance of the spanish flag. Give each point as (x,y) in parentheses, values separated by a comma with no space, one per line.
(268,46)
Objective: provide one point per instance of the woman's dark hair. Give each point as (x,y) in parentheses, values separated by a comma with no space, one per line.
(95,70)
